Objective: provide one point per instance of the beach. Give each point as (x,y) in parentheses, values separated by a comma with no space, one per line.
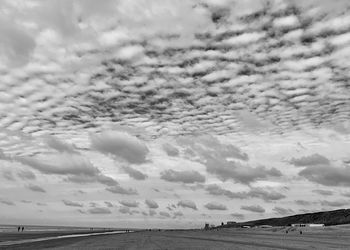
(335,237)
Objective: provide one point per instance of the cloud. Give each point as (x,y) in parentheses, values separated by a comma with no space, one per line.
(93,204)
(81,211)
(99,210)
(26,175)
(337,203)
(178,214)
(134,173)
(346,194)
(151,204)
(125,210)
(26,201)
(75,167)
(164,214)
(58,145)
(327,175)
(254,208)
(216,190)
(237,216)
(121,144)
(60,164)
(210,146)
(152,212)
(182,176)
(120,190)
(36,188)
(323,192)
(7,202)
(215,206)
(303,202)
(282,211)
(72,203)
(103,179)
(18,45)
(170,149)
(187,204)
(226,170)
(241,84)
(310,160)
(220,160)
(108,204)
(265,195)
(129,203)
(8,175)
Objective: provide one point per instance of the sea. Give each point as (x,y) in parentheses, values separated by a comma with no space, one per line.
(35,228)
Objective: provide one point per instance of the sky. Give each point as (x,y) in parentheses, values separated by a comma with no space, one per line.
(172,114)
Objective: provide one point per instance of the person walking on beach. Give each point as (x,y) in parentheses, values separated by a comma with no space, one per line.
(22,229)
(19,228)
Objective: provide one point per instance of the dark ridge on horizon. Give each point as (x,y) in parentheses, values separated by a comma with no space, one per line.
(333,217)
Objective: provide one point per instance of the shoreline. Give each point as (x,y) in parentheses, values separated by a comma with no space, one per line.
(38,236)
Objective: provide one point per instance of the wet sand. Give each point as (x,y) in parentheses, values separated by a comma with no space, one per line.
(272,238)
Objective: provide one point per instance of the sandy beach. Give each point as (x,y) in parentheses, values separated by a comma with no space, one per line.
(272,238)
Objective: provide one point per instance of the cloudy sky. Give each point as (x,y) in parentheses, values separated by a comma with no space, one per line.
(172,113)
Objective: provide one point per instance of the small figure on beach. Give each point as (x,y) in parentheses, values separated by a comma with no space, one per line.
(22,229)
(301,232)
(19,228)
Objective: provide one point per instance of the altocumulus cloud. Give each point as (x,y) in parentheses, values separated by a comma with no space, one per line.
(72,203)
(7,202)
(327,175)
(99,210)
(266,195)
(170,149)
(244,174)
(323,192)
(164,214)
(117,189)
(134,173)
(75,167)
(254,208)
(337,203)
(282,211)
(219,60)
(237,216)
(182,176)
(311,160)
(151,204)
(187,204)
(218,160)
(215,206)
(59,145)
(122,145)
(36,188)
(26,175)
(129,203)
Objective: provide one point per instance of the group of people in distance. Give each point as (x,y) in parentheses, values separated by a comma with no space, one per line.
(19,229)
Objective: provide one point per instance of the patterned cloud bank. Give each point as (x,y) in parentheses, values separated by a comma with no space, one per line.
(199,109)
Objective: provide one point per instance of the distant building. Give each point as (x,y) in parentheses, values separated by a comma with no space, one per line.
(298,225)
(316,225)
(307,225)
